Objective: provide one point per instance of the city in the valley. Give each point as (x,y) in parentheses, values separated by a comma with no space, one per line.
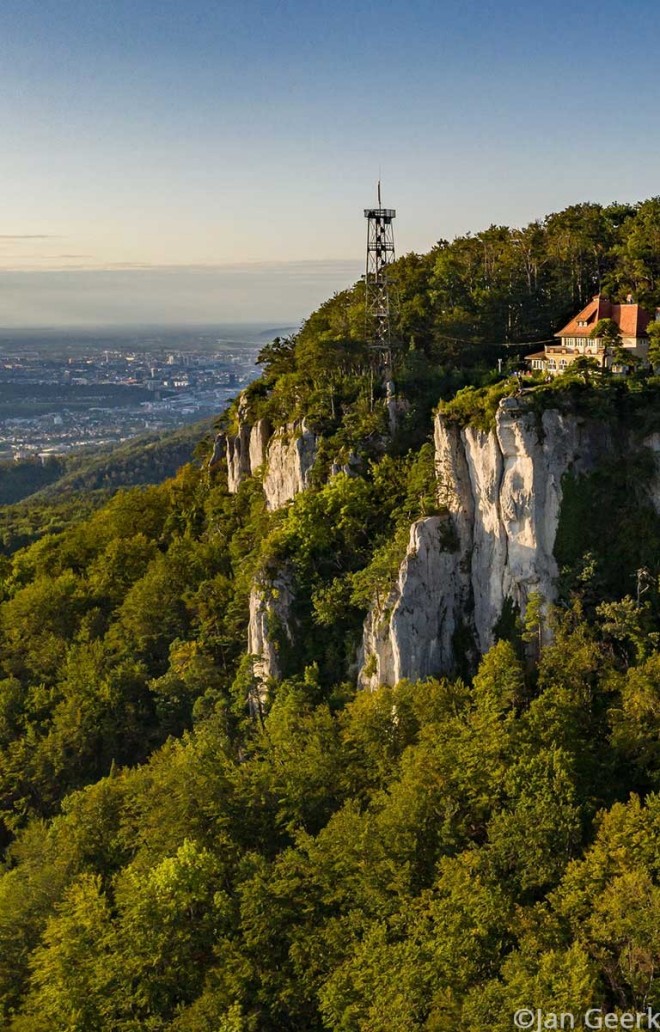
(63,391)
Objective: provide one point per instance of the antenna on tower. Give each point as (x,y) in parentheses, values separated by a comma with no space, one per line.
(380,255)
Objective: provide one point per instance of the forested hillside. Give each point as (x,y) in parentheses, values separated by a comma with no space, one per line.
(58,489)
(187,849)
(509,285)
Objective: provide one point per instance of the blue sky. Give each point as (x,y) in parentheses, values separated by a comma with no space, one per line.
(212,142)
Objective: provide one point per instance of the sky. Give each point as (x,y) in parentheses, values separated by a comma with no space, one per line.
(209,160)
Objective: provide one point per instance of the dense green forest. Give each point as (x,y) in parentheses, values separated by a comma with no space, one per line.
(430,856)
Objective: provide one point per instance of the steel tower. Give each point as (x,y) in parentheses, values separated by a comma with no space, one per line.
(380,254)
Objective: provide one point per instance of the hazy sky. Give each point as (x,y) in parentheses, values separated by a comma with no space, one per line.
(232,142)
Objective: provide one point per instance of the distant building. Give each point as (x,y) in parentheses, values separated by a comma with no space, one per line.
(575,339)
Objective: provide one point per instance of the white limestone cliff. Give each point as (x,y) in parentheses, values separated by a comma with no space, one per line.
(238,458)
(395,405)
(260,435)
(502,490)
(285,457)
(270,618)
(238,448)
(289,459)
(414,629)
(247,452)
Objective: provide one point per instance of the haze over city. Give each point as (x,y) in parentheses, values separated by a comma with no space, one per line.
(171,163)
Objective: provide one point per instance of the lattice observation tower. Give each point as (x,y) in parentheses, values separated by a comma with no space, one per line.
(380,255)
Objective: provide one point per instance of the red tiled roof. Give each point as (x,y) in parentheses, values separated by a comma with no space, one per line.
(631,319)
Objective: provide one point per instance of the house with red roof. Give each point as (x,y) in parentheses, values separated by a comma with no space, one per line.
(575,338)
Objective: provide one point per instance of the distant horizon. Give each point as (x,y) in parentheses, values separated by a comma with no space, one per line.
(259,293)
(284,293)
(117,329)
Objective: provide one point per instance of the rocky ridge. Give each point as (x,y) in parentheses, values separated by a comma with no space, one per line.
(283,457)
(502,491)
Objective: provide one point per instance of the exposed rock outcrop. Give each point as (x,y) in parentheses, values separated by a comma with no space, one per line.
(289,460)
(395,405)
(270,619)
(219,450)
(285,457)
(238,458)
(415,628)
(502,491)
(260,435)
(351,467)
(238,449)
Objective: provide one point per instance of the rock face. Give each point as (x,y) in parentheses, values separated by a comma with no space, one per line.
(395,406)
(270,617)
(414,630)
(238,458)
(260,435)
(219,450)
(285,457)
(246,452)
(289,460)
(502,491)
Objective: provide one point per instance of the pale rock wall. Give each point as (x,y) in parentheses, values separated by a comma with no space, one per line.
(290,457)
(270,603)
(260,435)
(515,478)
(415,628)
(502,490)
(238,449)
(285,457)
(395,405)
(238,458)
